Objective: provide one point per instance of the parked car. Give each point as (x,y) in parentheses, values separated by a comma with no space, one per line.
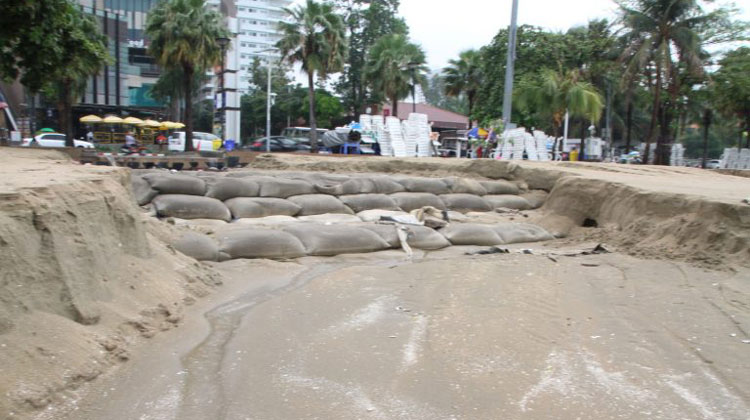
(301,133)
(279,144)
(713,164)
(201,142)
(53,140)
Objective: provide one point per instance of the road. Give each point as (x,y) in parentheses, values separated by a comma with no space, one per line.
(507,336)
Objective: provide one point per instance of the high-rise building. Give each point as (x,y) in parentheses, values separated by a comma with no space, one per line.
(257,33)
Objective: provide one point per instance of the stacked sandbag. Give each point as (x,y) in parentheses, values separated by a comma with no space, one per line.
(312,204)
(471,234)
(142,191)
(465,186)
(222,188)
(507,201)
(419,237)
(329,240)
(363,202)
(376,215)
(283,188)
(330,218)
(198,246)
(190,207)
(499,186)
(515,233)
(260,243)
(409,201)
(465,203)
(166,183)
(536,198)
(253,207)
(424,185)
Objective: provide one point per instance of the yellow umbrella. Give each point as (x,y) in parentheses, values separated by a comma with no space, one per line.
(179,125)
(89,119)
(132,120)
(150,124)
(112,119)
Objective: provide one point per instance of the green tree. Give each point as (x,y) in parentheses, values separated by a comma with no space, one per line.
(464,77)
(553,93)
(390,63)
(84,52)
(367,21)
(434,92)
(731,87)
(183,35)
(315,38)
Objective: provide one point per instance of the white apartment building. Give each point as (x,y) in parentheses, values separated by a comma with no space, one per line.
(257,32)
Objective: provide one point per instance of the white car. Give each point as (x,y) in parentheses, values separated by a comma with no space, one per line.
(53,140)
(205,142)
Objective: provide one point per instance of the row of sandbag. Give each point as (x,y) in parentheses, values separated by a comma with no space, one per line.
(236,184)
(196,207)
(311,239)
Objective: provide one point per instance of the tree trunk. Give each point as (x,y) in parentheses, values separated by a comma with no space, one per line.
(188,84)
(582,153)
(313,123)
(471,108)
(654,113)
(64,110)
(629,126)
(706,125)
(394,111)
(747,129)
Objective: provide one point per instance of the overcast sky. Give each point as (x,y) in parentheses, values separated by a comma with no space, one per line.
(446,27)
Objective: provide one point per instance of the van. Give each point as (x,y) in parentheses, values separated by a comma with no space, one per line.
(205,142)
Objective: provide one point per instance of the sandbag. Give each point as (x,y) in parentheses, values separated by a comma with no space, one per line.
(176,184)
(409,201)
(424,185)
(536,198)
(507,201)
(471,234)
(260,243)
(421,237)
(312,204)
(268,220)
(331,218)
(362,202)
(515,233)
(198,246)
(142,191)
(223,189)
(465,202)
(328,240)
(190,207)
(376,215)
(371,185)
(386,231)
(499,186)
(283,188)
(199,222)
(464,186)
(249,207)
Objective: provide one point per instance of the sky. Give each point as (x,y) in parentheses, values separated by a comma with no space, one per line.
(444,28)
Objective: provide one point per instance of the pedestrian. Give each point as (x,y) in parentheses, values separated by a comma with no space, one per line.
(90,136)
(129,140)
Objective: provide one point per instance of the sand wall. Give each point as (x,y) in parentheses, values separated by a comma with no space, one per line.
(84,275)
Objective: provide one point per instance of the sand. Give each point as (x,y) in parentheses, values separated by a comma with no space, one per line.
(101,319)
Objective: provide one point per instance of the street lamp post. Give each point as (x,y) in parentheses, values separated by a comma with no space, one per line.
(413,69)
(509,69)
(223,43)
(268,102)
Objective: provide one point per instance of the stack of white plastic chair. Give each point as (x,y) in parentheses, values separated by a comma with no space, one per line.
(505,146)
(541,145)
(529,144)
(744,162)
(519,143)
(395,136)
(677,157)
(423,134)
(378,127)
(365,120)
(411,134)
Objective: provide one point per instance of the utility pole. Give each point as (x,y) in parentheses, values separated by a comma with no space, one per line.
(509,67)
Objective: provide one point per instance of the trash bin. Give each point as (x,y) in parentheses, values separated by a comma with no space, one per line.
(229,145)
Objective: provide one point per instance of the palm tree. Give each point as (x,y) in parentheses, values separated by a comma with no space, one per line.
(554,93)
(389,65)
(464,76)
(183,36)
(316,38)
(659,30)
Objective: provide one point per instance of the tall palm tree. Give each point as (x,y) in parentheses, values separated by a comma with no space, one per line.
(660,30)
(554,93)
(183,36)
(464,76)
(316,38)
(390,64)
